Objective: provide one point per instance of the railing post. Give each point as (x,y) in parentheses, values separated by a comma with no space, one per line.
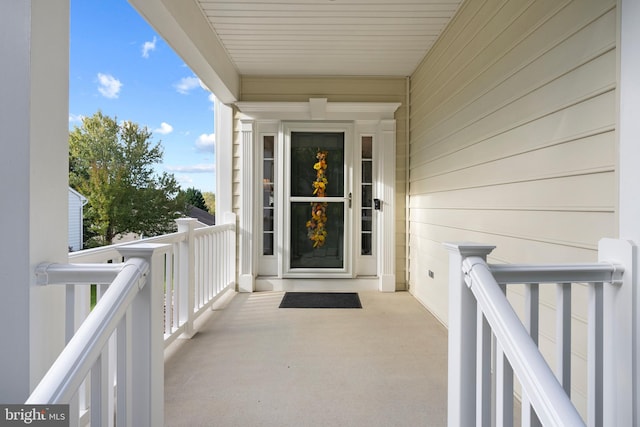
(462,336)
(231,218)
(147,368)
(620,353)
(186,282)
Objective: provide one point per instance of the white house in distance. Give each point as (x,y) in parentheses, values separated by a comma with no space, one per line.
(510,123)
(76,203)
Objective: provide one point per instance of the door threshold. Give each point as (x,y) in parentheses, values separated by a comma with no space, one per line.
(317,285)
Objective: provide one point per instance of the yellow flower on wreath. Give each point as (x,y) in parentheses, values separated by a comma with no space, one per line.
(316,226)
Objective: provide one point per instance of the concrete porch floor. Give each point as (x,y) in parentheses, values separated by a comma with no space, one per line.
(253,364)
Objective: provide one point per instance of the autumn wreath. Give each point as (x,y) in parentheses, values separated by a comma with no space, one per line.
(316,225)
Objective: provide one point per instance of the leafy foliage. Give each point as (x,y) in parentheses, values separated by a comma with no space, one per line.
(112,165)
(210,200)
(194,197)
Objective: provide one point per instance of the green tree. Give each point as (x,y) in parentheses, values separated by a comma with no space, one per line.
(210,200)
(112,165)
(195,198)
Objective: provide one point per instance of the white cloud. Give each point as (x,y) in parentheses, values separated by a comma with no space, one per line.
(109,86)
(202,168)
(148,47)
(184,180)
(164,129)
(76,118)
(187,84)
(206,142)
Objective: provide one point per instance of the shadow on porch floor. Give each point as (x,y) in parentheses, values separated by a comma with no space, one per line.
(253,364)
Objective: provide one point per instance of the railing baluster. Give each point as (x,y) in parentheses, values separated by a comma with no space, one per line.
(168,294)
(209,263)
(594,355)
(70,315)
(532,310)
(99,390)
(177,296)
(215,276)
(198,274)
(483,372)
(504,389)
(112,370)
(563,335)
(504,384)
(532,324)
(124,380)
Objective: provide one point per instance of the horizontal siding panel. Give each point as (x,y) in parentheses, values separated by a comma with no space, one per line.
(592,116)
(464,27)
(569,37)
(561,228)
(591,79)
(593,192)
(506,28)
(508,249)
(587,155)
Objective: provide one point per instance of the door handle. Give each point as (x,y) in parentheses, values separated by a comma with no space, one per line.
(349,200)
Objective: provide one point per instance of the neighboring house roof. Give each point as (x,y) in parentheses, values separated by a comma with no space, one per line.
(201,215)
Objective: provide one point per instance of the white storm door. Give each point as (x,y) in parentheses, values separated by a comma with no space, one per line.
(318,201)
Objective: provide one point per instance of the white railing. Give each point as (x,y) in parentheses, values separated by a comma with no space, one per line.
(113,343)
(115,357)
(490,343)
(198,267)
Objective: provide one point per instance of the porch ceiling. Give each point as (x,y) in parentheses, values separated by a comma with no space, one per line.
(327,37)
(222,40)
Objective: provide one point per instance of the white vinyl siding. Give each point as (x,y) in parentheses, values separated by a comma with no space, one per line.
(76,202)
(513,144)
(342,89)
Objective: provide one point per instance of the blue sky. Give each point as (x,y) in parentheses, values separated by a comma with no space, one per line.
(119,65)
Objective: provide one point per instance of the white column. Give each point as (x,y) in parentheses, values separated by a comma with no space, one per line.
(34,42)
(224,158)
(386,216)
(246,280)
(629,157)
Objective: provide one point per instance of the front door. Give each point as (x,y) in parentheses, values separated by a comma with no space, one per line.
(318,202)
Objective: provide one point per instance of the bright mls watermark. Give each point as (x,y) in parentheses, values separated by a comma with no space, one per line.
(34,415)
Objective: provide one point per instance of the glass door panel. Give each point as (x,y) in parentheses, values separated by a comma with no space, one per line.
(318,201)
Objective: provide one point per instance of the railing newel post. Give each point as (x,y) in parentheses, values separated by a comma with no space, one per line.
(462,335)
(147,369)
(186,285)
(231,218)
(620,355)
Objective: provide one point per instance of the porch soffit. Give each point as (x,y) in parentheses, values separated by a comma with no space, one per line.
(222,40)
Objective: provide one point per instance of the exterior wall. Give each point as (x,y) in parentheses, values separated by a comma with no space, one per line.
(339,89)
(513,143)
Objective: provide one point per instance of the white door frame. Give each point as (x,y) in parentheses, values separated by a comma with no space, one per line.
(363,116)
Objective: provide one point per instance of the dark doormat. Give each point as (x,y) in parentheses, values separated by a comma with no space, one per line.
(320,300)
